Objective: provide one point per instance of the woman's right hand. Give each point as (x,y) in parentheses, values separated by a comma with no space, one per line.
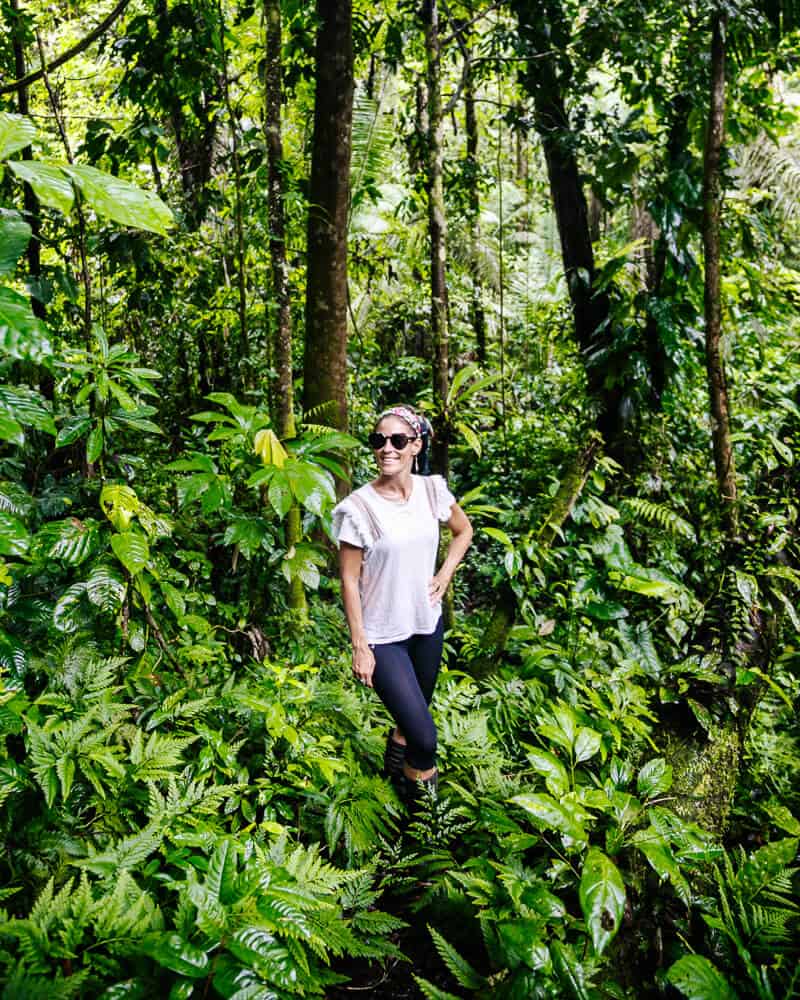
(363,664)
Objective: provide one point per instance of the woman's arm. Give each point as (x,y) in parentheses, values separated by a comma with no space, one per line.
(350,557)
(461,530)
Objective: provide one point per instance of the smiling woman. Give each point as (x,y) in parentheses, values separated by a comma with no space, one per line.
(388,535)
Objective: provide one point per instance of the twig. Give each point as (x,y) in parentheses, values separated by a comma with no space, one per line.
(76,49)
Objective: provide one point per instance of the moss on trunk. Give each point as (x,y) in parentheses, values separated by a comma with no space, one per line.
(704,774)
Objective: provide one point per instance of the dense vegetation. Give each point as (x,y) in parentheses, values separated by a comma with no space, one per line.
(229,235)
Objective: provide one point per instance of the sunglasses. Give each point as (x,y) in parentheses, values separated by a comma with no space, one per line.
(399,441)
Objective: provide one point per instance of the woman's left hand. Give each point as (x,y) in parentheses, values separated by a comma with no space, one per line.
(437,587)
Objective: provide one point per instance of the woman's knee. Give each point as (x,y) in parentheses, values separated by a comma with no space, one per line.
(421,746)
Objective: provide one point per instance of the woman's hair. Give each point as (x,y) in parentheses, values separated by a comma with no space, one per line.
(422,428)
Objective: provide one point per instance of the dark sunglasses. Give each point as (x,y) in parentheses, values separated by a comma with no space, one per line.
(399,441)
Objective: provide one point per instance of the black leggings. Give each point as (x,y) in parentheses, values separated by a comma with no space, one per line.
(404,677)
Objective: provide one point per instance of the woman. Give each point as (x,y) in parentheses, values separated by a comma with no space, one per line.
(388,535)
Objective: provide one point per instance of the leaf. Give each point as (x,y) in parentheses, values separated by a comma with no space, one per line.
(654,778)
(22,335)
(551,815)
(120,201)
(310,485)
(105,588)
(27,407)
(463,972)
(50,184)
(65,613)
(94,443)
(14,537)
(267,445)
(554,772)
(132,550)
(16,132)
(14,236)
(73,428)
(587,743)
(280,494)
(176,954)
(499,535)
(71,540)
(10,430)
(602,897)
(661,859)
(699,979)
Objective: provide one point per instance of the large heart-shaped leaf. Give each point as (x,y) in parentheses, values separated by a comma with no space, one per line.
(50,184)
(602,898)
(16,132)
(14,537)
(120,201)
(132,550)
(22,335)
(14,236)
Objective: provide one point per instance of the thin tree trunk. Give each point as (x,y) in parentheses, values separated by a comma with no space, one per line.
(712,206)
(473,166)
(284,401)
(30,201)
(437,226)
(325,361)
(241,255)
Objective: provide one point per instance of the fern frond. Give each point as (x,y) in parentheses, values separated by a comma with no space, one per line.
(431,992)
(661,515)
(458,966)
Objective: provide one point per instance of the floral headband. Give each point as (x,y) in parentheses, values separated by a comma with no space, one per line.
(418,423)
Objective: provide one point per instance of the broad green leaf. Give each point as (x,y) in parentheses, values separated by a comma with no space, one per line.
(94,443)
(22,335)
(602,897)
(651,588)
(269,448)
(50,184)
(14,537)
(470,436)
(310,485)
(551,815)
(699,979)
(66,613)
(120,504)
(120,201)
(221,875)
(659,854)
(71,540)
(14,236)
(105,588)
(10,430)
(173,598)
(280,493)
(654,778)
(176,954)
(554,772)
(499,535)
(27,406)
(74,427)
(132,550)
(522,944)
(587,743)
(16,132)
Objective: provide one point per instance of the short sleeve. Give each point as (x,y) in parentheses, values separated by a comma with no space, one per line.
(348,526)
(444,498)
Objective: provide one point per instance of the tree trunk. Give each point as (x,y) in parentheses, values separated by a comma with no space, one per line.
(474,201)
(30,201)
(712,207)
(325,360)
(284,401)
(437,227)
(240,366)
(544,35)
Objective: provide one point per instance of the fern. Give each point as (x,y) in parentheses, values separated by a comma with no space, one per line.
(459,967)
(431,992)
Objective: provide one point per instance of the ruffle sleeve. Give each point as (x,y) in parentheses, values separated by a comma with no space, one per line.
(444,498)
(348,525)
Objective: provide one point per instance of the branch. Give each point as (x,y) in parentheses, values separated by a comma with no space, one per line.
(76,49)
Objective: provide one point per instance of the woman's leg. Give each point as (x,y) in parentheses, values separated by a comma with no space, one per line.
(426,655)
(395,681)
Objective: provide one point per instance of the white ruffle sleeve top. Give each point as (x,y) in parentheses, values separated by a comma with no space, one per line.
(400,540)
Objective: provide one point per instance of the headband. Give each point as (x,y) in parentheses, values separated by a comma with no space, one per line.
(418,423)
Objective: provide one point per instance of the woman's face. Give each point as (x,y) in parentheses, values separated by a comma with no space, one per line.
(393,461)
